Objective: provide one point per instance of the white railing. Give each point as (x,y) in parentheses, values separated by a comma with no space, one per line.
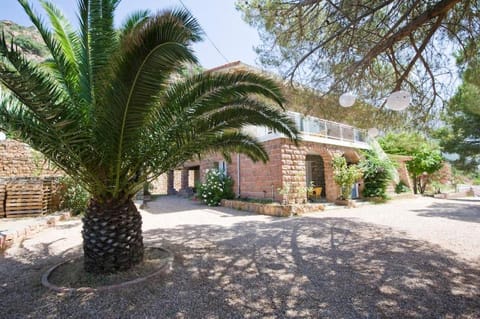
(318,127)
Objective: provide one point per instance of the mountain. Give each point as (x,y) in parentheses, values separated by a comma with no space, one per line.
(26,38)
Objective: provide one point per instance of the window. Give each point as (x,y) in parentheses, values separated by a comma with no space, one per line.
(222,167)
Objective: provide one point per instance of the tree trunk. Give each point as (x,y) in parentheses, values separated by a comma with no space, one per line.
(112,237)
(415,181)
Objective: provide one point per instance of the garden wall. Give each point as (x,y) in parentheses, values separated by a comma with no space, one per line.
(273,209)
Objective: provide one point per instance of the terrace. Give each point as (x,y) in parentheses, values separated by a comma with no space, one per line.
(318,130)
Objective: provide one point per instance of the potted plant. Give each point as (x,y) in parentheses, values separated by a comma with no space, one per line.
(345,176)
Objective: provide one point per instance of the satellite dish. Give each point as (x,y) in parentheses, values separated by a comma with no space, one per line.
(372,132)
(3,137)
(346,99)
(399,100)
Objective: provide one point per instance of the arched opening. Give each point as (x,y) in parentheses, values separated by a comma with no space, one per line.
(315,172)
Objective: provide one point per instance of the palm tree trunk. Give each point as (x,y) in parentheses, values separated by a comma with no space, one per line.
(112,237)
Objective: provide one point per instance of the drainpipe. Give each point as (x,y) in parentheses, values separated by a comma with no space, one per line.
(238,175)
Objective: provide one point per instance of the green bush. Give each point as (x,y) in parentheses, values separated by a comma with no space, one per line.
(401,187)
(377,174)
(73,196)
(217,186)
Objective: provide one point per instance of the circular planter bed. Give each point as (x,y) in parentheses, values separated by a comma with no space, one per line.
(69,276)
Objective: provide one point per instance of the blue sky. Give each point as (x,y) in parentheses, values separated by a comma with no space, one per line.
(222,23)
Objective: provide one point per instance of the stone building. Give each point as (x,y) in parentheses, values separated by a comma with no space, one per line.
(290,167)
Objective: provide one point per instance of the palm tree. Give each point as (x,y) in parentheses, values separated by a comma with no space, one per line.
(109,108)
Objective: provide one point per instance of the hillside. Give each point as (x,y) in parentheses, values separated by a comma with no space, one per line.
(26,38)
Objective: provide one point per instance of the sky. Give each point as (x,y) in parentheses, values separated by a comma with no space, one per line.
(220,20)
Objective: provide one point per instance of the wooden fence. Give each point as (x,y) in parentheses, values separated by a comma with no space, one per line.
(26,197)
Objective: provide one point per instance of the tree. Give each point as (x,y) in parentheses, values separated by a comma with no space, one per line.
(461,134)
(426,155)
(371,47)
(110,110)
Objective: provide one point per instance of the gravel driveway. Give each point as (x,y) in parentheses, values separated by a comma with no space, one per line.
(408,259)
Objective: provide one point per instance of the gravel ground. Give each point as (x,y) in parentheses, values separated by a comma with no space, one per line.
(409,259)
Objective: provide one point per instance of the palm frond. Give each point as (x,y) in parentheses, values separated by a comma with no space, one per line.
(134,20)
(62,65)
(42,136)
(64,33)
(85,72)
(102,43)
(148,57)
(208,109)
(201,88)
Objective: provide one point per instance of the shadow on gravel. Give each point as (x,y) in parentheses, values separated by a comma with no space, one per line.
(461,211)
(172,204)
(292,268)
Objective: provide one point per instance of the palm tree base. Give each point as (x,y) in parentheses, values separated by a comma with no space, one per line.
(112,237)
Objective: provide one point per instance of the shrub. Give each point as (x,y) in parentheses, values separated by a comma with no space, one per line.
(401,187)
(377,174)
(217,186)
(345,175)
(73,196)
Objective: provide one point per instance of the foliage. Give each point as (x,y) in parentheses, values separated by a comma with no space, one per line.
(26,38)
(73,196)
(110,109)
(401,187)
(461,134)
(426,155)
(405,143)
(369,47)
(463,177)
(285,191)
(303,191)
(424,162)
(217,186)
(345,175)
(29,45)
(363,115)
(38,162)
(377,174)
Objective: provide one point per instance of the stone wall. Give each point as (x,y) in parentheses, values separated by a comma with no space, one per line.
(19,160)
(403,174)
(294,170)
(286,168)
(273,209)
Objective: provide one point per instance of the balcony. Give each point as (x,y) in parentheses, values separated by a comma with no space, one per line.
(318,130)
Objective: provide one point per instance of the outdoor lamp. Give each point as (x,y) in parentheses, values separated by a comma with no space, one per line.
(346,99)
(372,132)
(399,100)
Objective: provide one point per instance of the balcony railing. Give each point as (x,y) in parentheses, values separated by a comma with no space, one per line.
(322,128)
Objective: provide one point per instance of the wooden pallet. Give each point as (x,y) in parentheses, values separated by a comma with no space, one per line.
(47,196)
(24,198)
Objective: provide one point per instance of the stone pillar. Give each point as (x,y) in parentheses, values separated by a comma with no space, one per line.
(170,183)
(184,189)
